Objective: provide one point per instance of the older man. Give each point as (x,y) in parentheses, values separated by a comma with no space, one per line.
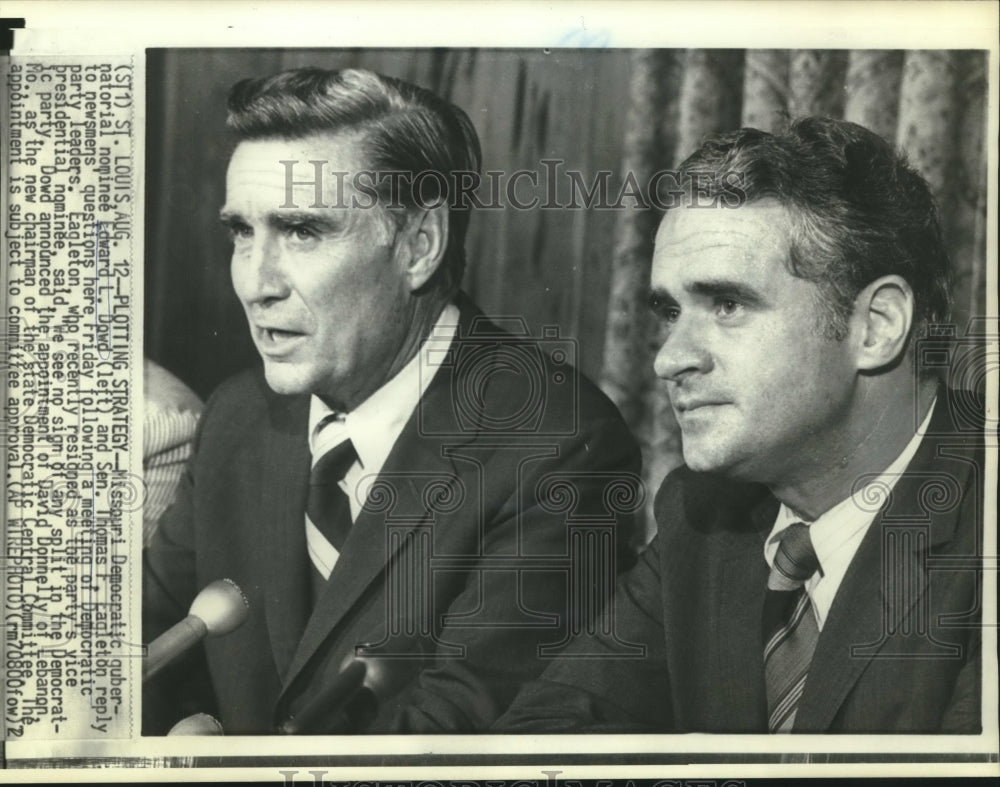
(815,563)
(377,488)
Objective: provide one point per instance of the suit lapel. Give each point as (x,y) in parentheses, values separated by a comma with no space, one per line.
(396,506)
(739,620)
(863,611)
(397,499)
(856,612)
(714,578)
(286,469)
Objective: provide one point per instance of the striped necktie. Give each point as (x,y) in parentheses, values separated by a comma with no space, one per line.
(789,626)
(328,507)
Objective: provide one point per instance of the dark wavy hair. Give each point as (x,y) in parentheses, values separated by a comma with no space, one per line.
(404,128)
(858,210)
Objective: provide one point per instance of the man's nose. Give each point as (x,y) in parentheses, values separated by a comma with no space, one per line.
(258,274)
(683,352)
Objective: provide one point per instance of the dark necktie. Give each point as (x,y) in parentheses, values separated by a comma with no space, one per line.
(789,626)
(328,508)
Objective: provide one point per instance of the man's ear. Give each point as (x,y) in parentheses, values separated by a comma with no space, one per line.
(426,241)
(883,317)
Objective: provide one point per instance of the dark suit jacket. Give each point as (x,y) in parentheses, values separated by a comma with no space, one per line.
(899,651)
(457,548)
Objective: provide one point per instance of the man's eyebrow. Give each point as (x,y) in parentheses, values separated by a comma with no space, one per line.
(726,288)
(295,218)
(286,218)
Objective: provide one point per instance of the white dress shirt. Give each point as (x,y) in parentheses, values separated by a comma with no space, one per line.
(373,427)
(837,534)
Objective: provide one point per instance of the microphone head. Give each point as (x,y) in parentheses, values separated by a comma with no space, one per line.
(386,675)
(221,606)
(198,724)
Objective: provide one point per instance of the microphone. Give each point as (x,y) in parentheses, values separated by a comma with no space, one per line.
(351,699)
(197,724)
(220,608)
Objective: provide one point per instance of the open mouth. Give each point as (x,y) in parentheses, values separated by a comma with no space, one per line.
(276,334)
(693,407)
(276,338)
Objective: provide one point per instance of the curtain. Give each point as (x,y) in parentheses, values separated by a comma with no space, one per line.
(582,271)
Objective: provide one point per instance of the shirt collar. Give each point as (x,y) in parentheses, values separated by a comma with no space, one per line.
(841,524)
(375,424)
